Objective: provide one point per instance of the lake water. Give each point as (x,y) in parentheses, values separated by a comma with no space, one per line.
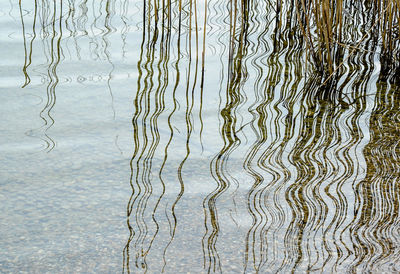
(194,137)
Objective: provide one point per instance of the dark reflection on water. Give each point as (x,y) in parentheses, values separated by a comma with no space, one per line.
(53,25)
(155,133)
(374,231)
(51,32)
(247,156)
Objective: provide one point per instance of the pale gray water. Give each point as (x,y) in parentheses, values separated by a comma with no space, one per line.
(118,155)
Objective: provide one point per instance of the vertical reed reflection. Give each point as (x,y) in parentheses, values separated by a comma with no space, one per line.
(139,182)
(110,11)
(305,160)
(306,157)
(294,103)
(156,124)
(52,30)
(303,155)
(47,27)
(374,231)
(28,52)
(238,28)
(50,14)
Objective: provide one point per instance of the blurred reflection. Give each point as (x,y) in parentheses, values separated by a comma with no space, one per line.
(164,96)
(51,32)
(28,46)
(52,25)
(294,140)
(261,141)
(374,230)
(238,30)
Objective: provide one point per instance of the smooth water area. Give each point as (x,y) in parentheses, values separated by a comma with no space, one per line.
(193,137)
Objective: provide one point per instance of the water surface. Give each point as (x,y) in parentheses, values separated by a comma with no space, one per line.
(194,136)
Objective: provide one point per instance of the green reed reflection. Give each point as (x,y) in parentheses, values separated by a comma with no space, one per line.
(264,134)
(51,33)
(155,129)
(238,28)
(28,53)
(293,128)
(376,216)
(52,26)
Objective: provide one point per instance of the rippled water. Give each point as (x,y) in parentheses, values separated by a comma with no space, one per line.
(194,136)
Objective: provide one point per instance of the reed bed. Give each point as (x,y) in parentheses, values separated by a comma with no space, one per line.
(322,23)
(326,26)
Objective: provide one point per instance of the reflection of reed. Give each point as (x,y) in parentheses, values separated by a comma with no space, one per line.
(110,11)
(149,214)
(28,53)
(304,150)
(190,96)
(238,26)
(306,153)
(374,230)
(50,15)
(139,182)
(52,25)
(292,109)
(54,32)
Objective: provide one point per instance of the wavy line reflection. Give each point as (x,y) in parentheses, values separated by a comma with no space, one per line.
(54,32)
(374,230)
(238,30)
(152,217)
(256,148)
(296,168)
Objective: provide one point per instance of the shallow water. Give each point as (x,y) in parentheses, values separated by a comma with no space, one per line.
(194,141)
